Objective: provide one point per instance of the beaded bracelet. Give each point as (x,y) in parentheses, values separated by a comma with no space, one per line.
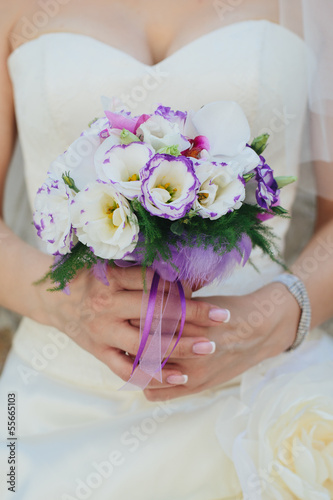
(297,288)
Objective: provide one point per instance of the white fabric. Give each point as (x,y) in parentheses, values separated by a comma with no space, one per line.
(313,22)
(70,416)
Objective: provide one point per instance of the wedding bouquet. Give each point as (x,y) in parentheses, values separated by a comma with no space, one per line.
(183,193)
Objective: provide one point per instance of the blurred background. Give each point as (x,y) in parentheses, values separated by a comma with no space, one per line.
(18,217)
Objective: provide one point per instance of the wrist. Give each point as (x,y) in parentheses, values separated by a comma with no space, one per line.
(298,290)
(280,314)
(38,305)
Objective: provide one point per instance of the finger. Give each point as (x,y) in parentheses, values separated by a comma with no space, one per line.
(190,347)
(117,361)
(122,366)
(128,305)
(127,339)
(165,394)
(198,313)
(170,378)
(134,278)
(204,314)
(190,330)
(131,278)
(125,305)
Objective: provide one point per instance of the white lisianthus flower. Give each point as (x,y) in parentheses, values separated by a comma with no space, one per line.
(78,159)
(160,133)
(52,216)
(104,222)
(122,164)
(228,132)
(283,436)
(221,189)
(169,186)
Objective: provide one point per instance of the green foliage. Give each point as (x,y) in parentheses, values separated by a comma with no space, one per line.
(282,212)
(285,180)
(158,235)
(92,122)
(70,182)
(126,137)
(223,234)
(259,144)
(68,266)
(170,150)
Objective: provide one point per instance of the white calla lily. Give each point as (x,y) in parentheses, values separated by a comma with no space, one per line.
(244,162)
(224,124)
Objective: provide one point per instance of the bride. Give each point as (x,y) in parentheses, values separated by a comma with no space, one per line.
(245,408)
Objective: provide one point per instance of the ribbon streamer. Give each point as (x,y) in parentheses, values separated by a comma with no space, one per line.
(159,328)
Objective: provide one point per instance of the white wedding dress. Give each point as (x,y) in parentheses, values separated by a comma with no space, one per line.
(78,436)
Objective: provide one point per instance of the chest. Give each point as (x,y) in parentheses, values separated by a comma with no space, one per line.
(148,30)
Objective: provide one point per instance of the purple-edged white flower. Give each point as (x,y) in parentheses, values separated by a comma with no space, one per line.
(122,164)
(103,221)
(52,216)
(103,150)
(169,186)
(171,115)
(78,160)
(220,190)
(160,133)
(267,192)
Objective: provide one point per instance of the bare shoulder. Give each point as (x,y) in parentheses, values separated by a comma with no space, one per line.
(22,20)
(8,14)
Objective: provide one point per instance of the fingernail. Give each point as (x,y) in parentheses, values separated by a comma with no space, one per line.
(204,348)
(177,379)
(220,315)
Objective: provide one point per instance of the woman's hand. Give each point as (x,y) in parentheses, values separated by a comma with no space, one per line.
(104,320)
(262,324)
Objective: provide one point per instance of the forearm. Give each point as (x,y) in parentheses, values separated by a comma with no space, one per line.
(315,267)
(20,266)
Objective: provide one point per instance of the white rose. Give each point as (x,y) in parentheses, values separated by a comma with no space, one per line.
(103,221)
(161,133)
(122,164)
(221,190)
(281,440)
(52,216)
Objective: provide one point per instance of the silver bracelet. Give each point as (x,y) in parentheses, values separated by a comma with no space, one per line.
(297,288)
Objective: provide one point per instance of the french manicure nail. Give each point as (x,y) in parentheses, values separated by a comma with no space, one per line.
(177,379)
(204,348)
(220,315)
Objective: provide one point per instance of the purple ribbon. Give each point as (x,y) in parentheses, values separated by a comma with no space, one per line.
(183,317)
(160,325)
(149,319)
